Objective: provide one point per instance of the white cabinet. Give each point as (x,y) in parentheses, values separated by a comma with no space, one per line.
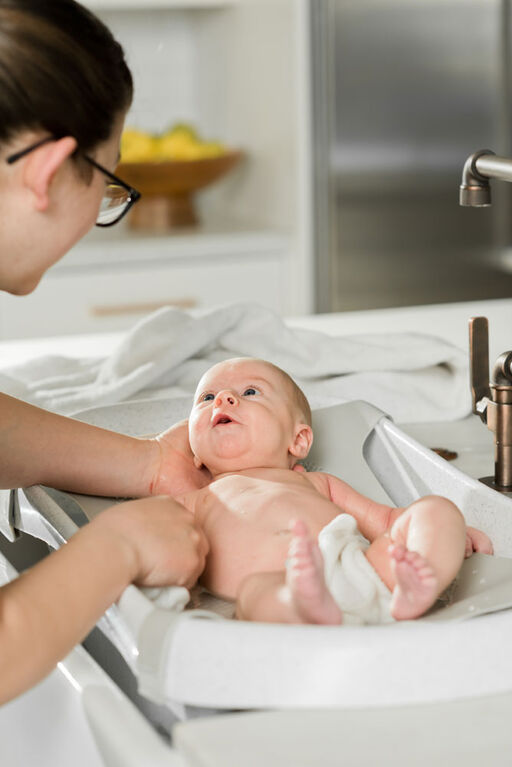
(100,287)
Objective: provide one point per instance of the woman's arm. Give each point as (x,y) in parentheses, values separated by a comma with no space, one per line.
(39,447)
(52,606)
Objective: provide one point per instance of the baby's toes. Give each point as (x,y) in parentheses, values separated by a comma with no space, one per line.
(415,559)
(421,567)
(397,551)
(298,528)
(299,549)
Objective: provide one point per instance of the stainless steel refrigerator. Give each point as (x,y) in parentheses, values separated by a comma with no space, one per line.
(403,92)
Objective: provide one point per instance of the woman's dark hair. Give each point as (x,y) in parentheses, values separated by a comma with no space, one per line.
(60,71)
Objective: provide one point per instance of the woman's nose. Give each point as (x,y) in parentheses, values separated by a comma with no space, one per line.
(226,397)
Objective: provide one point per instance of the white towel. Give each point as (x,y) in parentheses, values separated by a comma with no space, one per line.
(411,377)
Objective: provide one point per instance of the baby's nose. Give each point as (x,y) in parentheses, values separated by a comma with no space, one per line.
(226,397)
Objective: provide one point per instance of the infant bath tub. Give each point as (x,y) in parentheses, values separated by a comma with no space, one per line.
(197,659)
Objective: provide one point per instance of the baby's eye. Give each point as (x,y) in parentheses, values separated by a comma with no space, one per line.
(250,392)
(207,397)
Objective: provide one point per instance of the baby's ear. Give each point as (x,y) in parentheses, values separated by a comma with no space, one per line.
(302,442)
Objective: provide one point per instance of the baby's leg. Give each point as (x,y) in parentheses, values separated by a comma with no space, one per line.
(297,595)
(426,552)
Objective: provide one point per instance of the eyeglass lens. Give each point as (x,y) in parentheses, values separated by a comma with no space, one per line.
(114,203)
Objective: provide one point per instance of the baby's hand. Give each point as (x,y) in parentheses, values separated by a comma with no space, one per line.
(176,473)
(476,540)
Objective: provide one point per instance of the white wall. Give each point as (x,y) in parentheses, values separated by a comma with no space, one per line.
(256,92)
(233,73)
(247,93)
(161,52)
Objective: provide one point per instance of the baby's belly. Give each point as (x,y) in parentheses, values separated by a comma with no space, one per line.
(256,540)
(248,551)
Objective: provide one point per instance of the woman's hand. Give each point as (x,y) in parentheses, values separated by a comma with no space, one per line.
(165,544)
(175,472)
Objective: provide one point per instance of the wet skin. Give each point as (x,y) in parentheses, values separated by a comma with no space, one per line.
(246,517)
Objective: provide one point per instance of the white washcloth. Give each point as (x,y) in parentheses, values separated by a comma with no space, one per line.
(356,587)
(411,377)
(168,597)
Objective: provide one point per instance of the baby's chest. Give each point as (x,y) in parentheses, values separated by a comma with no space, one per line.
(266,505)
(243,499)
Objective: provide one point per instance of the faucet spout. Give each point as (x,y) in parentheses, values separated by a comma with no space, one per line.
(475,190)
(502,371)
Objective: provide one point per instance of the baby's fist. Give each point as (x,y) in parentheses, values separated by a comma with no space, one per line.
(476,540)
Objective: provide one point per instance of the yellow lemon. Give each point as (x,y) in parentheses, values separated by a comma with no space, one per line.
(137,146)
(177,146)
(183,130)
(212,149)
(181,142)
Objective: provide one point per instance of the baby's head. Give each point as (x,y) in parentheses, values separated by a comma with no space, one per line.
(249,413)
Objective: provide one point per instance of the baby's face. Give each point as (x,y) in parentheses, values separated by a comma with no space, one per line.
(242,418)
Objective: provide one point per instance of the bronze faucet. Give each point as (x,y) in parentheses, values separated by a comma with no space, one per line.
(492,400)
(475,190)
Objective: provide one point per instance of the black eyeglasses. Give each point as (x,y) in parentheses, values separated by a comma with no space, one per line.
(118,198)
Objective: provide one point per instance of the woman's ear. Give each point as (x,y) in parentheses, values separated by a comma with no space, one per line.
(302,442)
(42,165)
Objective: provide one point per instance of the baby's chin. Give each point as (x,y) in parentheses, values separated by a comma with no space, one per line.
(223,464)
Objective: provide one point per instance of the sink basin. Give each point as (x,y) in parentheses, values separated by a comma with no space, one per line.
(469,438)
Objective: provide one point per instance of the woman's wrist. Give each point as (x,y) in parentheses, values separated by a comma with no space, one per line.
(155,462)
(111,535)
(149,457)
(135,469)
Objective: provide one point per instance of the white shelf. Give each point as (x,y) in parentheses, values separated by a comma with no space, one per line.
(143,5)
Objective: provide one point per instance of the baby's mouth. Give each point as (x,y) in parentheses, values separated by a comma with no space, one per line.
(221,419)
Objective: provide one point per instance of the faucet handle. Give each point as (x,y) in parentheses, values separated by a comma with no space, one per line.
(479,361)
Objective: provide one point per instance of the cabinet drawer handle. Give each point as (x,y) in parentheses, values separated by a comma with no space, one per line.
(114,310)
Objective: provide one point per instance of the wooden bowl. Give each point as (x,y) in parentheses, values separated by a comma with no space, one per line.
(168,187)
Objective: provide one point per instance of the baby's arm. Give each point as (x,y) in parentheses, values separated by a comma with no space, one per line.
(476,540)
(373,519)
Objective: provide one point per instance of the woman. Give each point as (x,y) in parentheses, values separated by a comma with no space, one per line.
(64,92)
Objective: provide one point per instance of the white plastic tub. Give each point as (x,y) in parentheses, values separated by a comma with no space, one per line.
(183,660)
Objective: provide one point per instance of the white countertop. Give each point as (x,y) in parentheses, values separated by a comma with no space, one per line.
(91,345)
(449,321)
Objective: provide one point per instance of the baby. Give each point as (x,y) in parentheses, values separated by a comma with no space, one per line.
(288,545)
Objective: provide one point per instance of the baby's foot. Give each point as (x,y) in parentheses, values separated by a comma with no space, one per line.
(305,579)
(416,584)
